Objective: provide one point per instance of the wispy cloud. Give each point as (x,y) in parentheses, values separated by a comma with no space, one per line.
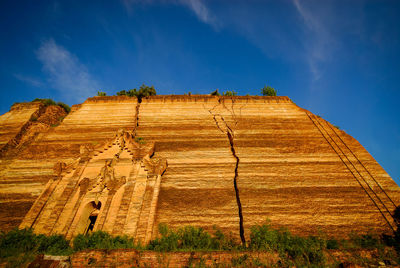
(30,80)
(65,72)
(129,4)
(198,7)
(318,40)
(202,12)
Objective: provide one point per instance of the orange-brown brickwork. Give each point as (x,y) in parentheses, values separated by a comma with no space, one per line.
(233,162)
(134,258)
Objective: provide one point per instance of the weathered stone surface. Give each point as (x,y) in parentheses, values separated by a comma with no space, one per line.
(264,155)
(12,121)
(86,195)
(197,188)
(292,172)
(24,176)
(289,170)
(131,257)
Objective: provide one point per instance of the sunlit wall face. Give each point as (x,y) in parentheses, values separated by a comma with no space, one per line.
(338,59)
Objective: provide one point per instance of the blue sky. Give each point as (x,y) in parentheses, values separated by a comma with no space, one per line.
(338,59)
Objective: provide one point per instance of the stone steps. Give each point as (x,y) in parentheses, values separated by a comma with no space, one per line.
(123,209)
(135,207)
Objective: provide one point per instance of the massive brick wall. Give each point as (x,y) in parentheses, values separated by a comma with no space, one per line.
(12,121)
(290,169)
(134,258)
(197,188)
(264,155)
(24,176)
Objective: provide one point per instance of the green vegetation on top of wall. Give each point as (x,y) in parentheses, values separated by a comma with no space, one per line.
(142,92)
(66,107)
(230,93)
(48,102)
(265,91)
(215,93)
(268,91)
(145,91)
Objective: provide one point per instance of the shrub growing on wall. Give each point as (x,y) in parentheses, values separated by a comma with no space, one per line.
(268,91)
(48,102)
(101,240)
(144,91)
(66,107)
(215,93)
(230,93)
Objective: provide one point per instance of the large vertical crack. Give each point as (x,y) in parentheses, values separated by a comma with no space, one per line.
(139,101)
(230,134)
(239,204)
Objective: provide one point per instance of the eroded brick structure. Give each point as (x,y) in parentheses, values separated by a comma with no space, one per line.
(113,187)
(233,162)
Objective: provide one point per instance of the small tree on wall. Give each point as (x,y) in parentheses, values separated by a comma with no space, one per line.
(215,93)
(268,91)
(230,93)
(101,93)
(144,91)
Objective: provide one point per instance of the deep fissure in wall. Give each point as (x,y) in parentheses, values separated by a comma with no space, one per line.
(239,204)
(230,134)
(137,116)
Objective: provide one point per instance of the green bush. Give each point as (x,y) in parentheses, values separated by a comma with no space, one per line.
(101,240)
(144,91)
(169,240)
(215,93)
(194,238)
(367,241)
(332,244)
(132,93)
(121,93)
(16,242)
(101,94)
(221,242)
(263,237)
(66,107)
(230,93)
(18,247)
(53,245)
(299,250)
(191,238)
(268,91)
(46,102)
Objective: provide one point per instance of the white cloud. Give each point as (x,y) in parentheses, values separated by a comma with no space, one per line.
(201,11)
(65,72)
(30,80)
(130,3)
(198,7)
(318,41)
